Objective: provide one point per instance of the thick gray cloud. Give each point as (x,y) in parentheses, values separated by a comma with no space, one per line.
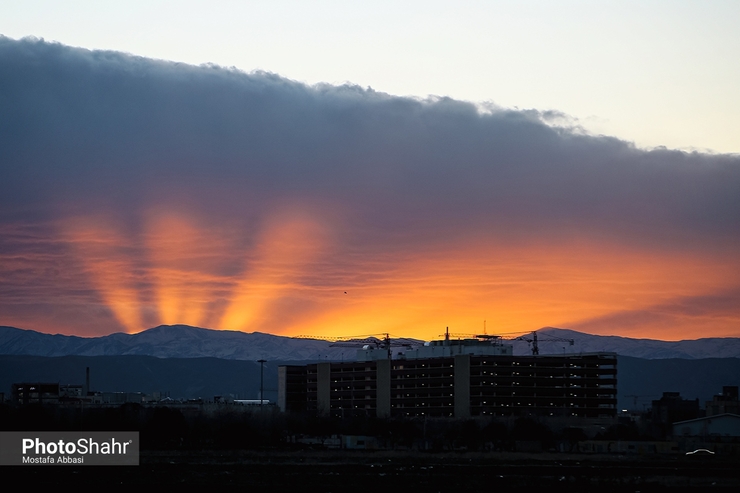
(110,130)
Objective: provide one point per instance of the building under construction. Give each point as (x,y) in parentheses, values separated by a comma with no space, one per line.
(454,378)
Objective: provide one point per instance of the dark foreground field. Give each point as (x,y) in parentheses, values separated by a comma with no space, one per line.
(378,471)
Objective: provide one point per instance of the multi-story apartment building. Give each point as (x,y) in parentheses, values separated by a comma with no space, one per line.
(456,379)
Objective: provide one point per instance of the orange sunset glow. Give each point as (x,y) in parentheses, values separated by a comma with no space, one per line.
(111,272)
(289,284)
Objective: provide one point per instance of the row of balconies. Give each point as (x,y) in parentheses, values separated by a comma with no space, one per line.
(543,374)
(529,393)
(418,385)
(425,405)
(423,374)
(541,401)
(545,369)
(529,382)
(416,364)
(544,362)
(562,412)
(418,395)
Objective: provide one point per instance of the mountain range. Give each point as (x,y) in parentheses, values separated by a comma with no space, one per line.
(182,341)
(191,362)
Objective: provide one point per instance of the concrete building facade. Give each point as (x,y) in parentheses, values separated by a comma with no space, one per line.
(460,385)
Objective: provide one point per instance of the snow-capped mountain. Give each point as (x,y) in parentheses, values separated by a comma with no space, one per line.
(714,347)
(182,341)
(172,341)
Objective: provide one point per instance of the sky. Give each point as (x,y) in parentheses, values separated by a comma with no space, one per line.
(326,171)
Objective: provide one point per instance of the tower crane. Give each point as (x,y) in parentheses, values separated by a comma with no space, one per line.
(378,341)
(533,339)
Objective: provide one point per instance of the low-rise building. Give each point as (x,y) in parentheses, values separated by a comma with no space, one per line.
(671,407)
(725,403)
(723,425)
(35,392)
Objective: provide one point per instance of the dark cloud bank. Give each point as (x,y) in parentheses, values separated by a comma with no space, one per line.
(106,131)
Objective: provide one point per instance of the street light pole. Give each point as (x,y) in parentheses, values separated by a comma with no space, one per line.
(262,380)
